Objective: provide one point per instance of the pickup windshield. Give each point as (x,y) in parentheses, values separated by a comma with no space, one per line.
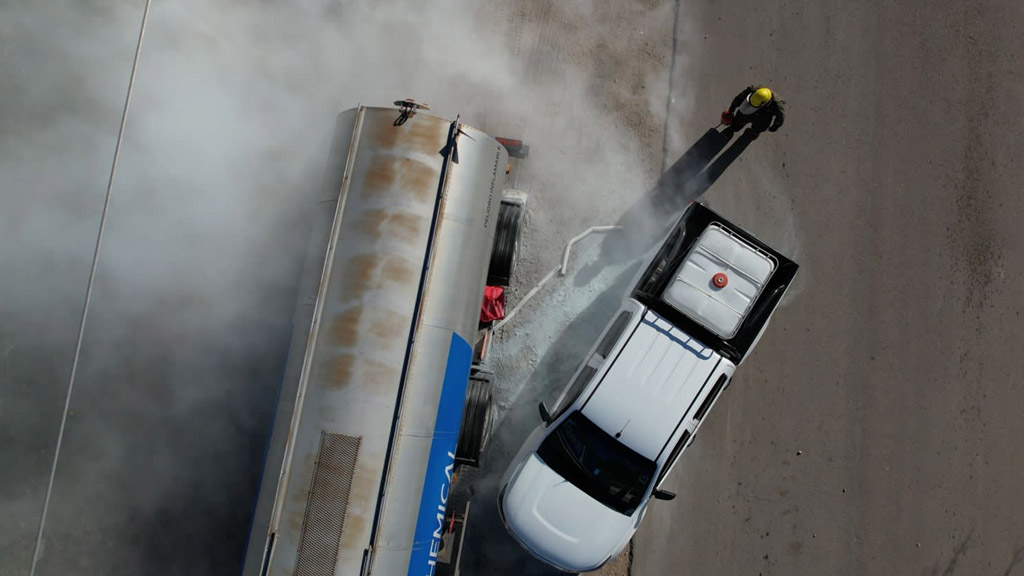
(596,463)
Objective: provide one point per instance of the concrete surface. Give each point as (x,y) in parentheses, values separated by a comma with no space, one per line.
(874,431)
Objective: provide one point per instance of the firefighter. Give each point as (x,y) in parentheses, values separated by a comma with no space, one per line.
(757,106)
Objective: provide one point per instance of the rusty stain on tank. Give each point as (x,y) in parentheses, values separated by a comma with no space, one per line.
(371,222)
(364,486)
(421,133)
(371,373)
(365,272)
(378,374)
(357,275)
(401,226)
(409,175)
(354,524)
(340,371)
(389,325)
(381,174)
(397,269)
(406,226)
(344,327)
(419,179)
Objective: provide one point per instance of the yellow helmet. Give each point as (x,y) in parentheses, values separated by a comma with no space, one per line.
(760,97)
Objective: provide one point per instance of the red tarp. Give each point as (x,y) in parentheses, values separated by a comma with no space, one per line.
(494,304)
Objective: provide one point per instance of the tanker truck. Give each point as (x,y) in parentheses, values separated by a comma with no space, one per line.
(385,392)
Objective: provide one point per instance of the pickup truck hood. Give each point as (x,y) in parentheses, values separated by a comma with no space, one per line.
(559,523)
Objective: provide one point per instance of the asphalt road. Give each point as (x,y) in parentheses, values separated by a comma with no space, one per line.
(876,430)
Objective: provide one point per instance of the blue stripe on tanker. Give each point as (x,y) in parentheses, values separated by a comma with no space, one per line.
(437,482)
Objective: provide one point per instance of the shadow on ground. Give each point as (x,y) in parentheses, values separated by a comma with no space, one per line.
(649,218)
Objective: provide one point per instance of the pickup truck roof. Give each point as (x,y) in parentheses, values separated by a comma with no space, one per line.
(654,380)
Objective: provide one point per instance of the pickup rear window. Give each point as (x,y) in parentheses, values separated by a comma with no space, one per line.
(596,463)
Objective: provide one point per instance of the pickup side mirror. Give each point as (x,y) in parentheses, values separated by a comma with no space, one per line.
(544,415)
(664,495)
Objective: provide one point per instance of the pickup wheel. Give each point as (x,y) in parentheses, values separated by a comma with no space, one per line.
(476,420)
(506,243)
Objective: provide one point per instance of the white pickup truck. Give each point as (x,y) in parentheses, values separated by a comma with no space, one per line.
(580,485)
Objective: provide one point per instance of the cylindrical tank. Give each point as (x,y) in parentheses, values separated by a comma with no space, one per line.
(397,306)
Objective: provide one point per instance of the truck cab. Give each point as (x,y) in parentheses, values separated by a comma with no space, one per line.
(580,485)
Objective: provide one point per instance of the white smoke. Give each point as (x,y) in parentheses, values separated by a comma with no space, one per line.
(225,147)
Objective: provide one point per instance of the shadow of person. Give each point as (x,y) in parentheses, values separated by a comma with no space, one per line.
(649,218)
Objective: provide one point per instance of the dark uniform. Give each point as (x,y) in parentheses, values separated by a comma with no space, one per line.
(769,116)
